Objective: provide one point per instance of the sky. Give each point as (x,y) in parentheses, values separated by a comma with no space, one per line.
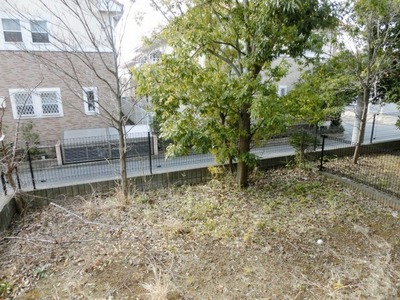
(139,20)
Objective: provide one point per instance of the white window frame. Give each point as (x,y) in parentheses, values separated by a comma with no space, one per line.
(2,102)
(7,30)
(284,88)
(86,104)
(154,56)
(37,103)
(45,30)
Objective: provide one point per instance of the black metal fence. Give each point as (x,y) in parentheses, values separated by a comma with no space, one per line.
(378,165)
(86,160)
(71,162)
(105,148)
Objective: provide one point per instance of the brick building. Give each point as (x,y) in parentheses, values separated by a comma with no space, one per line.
(57,65)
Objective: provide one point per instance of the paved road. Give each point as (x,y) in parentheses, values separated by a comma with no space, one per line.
(384,124)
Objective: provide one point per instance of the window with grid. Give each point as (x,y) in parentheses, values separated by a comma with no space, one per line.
(90,100)
(24,104)
(11,30)
(50,105)
(36,103)
(39,32)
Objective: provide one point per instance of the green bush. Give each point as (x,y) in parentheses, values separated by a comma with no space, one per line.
(302,141)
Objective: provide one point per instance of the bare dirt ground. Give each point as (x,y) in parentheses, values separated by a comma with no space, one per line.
(292,235)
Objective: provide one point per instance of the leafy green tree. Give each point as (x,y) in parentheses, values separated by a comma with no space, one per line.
(319,95)
(367,28)
(388,88)
(216,90)
(322,91)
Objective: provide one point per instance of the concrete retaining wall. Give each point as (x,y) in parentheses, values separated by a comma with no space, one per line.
(7,212)
(38,198)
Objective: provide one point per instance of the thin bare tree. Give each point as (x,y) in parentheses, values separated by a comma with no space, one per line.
(9,161)
(369,35)
(84,49)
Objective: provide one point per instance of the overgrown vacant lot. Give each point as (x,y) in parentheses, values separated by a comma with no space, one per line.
(291,235)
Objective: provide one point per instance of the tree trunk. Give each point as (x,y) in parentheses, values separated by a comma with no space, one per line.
(17,193)
(122,159)
(231,167)
(357,120)
(363,123)
(302,154)
(244,146)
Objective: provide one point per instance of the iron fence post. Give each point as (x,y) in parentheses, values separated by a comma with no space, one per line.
(31,168)
(3,182)
(321,165)
(373,129)
(150,162)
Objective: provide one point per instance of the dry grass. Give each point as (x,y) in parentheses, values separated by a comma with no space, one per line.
(292,235)
(159,287)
